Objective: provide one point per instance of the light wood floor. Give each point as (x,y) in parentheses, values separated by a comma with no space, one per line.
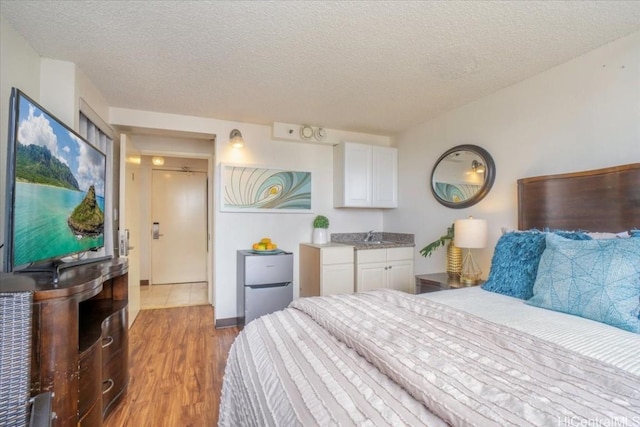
(176,365)
(173,295)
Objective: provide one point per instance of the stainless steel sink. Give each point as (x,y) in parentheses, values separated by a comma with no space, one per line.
(377,242)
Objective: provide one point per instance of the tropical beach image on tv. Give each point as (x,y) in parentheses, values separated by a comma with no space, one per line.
(59,188)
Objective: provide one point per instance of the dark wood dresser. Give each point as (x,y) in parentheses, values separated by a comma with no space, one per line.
(79,335)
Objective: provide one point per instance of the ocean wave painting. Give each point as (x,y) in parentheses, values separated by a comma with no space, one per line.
(456,192)
(246,189)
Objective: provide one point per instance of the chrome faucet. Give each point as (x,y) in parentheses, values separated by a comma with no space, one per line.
(369,236)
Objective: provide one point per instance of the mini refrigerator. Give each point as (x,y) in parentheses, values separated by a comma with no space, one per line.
(265,283)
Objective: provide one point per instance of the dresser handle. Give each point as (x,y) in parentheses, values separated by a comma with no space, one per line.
(111,384)
(107,341)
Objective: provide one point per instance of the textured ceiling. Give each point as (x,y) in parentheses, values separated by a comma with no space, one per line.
(369,66)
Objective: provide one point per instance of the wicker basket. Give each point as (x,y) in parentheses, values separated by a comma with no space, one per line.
(15,357)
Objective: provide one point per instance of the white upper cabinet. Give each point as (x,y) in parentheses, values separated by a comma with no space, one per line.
(365,176)
(385,177)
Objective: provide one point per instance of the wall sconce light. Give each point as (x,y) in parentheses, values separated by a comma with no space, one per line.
(157,160)
(235,139)
(478,167)
(470,233)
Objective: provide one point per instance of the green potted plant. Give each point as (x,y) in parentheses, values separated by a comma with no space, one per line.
(454,253)
(320,225)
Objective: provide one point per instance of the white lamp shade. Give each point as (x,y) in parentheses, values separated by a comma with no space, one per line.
(236,140)
(470,233)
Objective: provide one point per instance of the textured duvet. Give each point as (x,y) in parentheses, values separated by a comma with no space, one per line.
(390,358)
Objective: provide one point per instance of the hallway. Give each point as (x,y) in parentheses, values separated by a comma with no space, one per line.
(173,295)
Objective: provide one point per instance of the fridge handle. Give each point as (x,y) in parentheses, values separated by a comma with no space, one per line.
(269,285)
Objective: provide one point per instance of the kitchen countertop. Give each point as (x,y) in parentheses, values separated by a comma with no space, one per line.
(358,246)
(387,240)
(327,245)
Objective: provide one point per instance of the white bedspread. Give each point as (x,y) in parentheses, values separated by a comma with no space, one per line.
(603,342)
(389,358)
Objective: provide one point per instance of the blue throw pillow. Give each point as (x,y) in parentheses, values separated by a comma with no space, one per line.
(514,265)
(595,279)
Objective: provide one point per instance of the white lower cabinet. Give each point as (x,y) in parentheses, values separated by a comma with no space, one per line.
(385,268)
(326,269)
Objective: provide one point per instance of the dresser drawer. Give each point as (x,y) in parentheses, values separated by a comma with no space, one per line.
(89,378)
(114,333)
(115,375)
(93,418)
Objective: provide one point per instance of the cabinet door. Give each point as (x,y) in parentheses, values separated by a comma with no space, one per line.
(309,270)
(358,172)
(371,276)
(400,276)
(337,279)
(384,177)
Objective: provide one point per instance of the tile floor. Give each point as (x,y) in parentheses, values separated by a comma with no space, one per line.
(173,295)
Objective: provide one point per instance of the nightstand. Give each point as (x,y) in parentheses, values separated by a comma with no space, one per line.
(438,282)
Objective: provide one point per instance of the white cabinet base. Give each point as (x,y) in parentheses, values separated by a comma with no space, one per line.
(326,269)
(385,268)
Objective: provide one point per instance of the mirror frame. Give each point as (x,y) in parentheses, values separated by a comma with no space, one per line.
(490,176)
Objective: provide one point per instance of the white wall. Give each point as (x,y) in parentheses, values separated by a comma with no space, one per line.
(584,114)
(58,90)
(234,231)
(20,67)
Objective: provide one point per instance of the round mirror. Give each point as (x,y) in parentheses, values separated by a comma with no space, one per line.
(462,176)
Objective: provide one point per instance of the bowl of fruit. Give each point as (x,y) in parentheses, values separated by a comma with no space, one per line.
(265,245)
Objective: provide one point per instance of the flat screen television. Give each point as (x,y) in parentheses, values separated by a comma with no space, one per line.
(55,190)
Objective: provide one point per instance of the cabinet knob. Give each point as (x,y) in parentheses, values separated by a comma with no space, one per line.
(109,387)
(107,341)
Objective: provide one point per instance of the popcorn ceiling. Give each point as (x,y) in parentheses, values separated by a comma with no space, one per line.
(377,67)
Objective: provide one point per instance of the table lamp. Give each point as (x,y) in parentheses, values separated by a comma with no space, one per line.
(470,234)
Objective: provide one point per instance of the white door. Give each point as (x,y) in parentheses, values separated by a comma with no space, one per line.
(179,227)
(129,232)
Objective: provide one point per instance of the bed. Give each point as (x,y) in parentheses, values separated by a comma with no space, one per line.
(534,347)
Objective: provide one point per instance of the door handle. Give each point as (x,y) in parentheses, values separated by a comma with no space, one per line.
(124,243)
(155,230)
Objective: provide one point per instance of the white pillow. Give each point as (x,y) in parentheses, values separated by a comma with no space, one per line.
(601,236)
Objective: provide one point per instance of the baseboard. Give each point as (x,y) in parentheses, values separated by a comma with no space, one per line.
(228,322)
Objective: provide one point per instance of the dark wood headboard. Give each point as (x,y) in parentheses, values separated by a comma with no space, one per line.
(606,200)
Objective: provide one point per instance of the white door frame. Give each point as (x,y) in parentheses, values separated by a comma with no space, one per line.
(129,223)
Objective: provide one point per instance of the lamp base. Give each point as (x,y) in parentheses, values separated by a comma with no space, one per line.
(470,272)
(470,281)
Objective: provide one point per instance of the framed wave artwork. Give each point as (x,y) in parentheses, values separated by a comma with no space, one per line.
(251,189)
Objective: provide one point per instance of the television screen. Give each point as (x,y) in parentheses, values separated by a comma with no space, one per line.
(58,178)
